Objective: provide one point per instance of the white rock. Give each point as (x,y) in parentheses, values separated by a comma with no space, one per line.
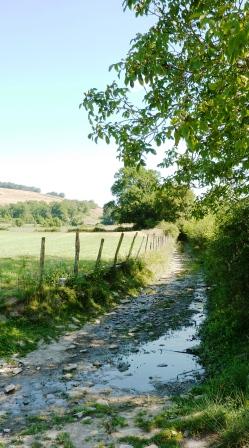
(113,346)
(16,370)
(70,367)
(123,445)
(10,388)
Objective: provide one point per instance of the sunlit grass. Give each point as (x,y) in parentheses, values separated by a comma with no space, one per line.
(61,244)
(19,262)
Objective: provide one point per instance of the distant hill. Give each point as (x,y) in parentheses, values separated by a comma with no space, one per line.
(86,211)
(94,216)
(11,196)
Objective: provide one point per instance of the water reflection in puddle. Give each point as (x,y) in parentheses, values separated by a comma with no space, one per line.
(162,361)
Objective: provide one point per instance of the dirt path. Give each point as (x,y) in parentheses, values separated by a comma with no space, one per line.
(93,382)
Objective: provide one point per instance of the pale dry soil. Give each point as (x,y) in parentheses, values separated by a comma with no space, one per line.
(11,196)
(94,381)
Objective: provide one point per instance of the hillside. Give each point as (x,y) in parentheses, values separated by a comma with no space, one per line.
(10,196)
(94,216)
(90,216)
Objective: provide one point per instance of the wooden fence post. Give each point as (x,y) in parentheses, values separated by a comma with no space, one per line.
(100,253)
(77,252)
(132,245)
(118,248)
(139,250)
(146,244)
(42,259)
(151,244)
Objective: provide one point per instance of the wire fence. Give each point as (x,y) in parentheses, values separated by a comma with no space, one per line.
(17,273)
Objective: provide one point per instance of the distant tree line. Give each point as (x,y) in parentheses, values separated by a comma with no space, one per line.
(58,195)
(55,214)
(13,186)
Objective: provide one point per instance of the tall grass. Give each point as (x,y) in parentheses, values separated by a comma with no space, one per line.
(223,246)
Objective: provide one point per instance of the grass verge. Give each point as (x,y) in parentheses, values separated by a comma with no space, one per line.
(48,312)
(220,406)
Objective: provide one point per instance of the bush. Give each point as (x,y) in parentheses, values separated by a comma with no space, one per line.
(227,270)
(198,232)
(169,229)
(19,222)
(228,264)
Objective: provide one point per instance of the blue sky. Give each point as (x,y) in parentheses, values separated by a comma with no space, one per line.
(51,52)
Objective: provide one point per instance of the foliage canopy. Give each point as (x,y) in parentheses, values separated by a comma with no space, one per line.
(143,199)
(192,65)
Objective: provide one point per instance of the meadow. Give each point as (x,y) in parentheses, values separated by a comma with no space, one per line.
(20,250)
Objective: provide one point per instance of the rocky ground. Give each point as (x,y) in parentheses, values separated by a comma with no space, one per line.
(88,388)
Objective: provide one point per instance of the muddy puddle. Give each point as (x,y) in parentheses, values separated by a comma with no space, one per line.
(162,363)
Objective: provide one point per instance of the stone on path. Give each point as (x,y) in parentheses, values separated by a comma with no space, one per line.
(70,367)
(97,364)
(123,445)
(16,370)
(113,347)
(10,388)
(71,347)
(191,443)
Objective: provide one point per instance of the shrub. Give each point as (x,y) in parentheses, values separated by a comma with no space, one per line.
(169,229)
(198,232)
(228,259)
(18,222)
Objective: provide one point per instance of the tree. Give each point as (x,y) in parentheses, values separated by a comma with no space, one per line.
(174,202)
(53,193)
(109,217)
(135,191)
(193,66)
(143,198)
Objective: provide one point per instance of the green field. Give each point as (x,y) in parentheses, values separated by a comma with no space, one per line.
(61,245)
(19,259)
